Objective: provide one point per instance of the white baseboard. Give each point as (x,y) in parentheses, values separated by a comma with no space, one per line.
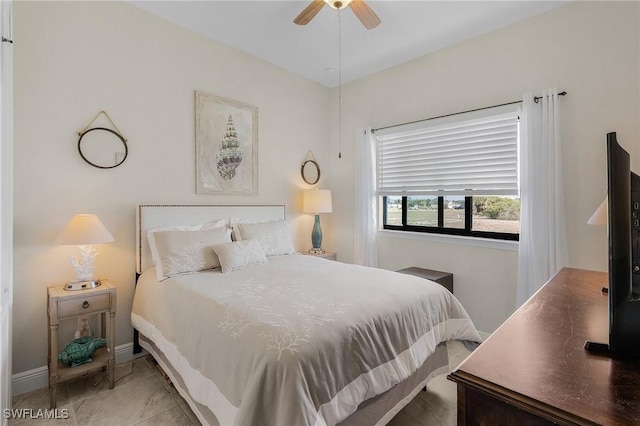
(37,378)
(29,380)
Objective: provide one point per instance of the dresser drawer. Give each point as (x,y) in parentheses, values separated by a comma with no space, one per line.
(84,305)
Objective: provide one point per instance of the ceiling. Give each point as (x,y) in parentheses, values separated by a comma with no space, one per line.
(409,29)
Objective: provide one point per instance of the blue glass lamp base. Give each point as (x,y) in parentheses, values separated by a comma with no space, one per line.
(316,237)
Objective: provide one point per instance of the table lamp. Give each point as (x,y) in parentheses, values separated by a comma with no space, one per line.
(599,217)
(316,201)
(82,230)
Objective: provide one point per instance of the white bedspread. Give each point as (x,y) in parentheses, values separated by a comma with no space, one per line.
(297,341)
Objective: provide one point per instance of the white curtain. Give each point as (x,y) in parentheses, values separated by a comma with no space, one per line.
(366,249)
(543,248)
(6,206)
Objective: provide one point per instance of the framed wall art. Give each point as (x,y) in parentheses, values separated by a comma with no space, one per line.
(226,146)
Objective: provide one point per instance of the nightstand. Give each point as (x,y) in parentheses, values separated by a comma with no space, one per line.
(64,305)
(326,255)
(445,279)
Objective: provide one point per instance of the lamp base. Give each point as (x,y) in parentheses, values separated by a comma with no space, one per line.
(317,251)
(81,285)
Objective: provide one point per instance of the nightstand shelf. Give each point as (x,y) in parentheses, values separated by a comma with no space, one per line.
(64,305)
(100,360)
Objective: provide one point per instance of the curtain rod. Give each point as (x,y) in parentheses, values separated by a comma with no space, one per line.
(536,99)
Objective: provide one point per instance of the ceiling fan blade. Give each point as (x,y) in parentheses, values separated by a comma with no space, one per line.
(365,14)
(309,12)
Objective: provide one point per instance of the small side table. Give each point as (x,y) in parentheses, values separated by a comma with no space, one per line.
(445,279)
(326,255)
(63,305)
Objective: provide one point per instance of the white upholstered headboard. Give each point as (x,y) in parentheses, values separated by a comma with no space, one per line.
(155,215)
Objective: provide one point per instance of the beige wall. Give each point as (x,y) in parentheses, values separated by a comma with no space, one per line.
(73,59)
(589,49)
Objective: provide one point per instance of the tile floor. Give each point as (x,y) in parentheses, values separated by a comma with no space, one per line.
(142,397)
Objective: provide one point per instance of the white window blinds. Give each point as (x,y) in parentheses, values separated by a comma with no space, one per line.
(467,154)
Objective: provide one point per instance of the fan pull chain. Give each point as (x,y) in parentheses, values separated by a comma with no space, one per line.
(339,83)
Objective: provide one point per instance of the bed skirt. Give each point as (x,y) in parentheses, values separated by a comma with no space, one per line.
(378,410)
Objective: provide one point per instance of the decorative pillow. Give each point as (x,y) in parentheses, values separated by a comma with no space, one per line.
(235,221)
(239,254)
(273,236)
(184,252)
(221,223)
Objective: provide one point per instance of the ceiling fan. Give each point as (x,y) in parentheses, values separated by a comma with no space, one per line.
(364,13)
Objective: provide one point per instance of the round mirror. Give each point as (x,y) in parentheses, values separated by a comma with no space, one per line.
(102,148)
(310,172)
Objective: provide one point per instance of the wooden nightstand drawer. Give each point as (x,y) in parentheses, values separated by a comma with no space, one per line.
(84,305)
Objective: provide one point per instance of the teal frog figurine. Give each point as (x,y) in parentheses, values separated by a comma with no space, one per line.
(80,351)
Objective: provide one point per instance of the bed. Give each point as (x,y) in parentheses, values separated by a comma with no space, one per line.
(273,337)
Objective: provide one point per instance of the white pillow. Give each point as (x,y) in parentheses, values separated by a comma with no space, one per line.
(235,221)
(184,252)
(221,223)
(239,254)
(273,236)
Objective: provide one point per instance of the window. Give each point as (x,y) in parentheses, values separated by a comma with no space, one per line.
(454,175)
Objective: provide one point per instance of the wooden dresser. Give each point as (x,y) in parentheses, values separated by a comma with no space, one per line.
(534,370)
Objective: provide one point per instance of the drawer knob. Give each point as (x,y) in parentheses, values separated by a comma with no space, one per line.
(85,304)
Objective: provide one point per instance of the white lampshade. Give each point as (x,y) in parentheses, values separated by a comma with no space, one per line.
(599,217)
(84,229)
(317,201)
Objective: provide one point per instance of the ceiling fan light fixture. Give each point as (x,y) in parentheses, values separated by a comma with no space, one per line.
(338,4)
(364,13)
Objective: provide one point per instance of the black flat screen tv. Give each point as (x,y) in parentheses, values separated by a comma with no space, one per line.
(623,221)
